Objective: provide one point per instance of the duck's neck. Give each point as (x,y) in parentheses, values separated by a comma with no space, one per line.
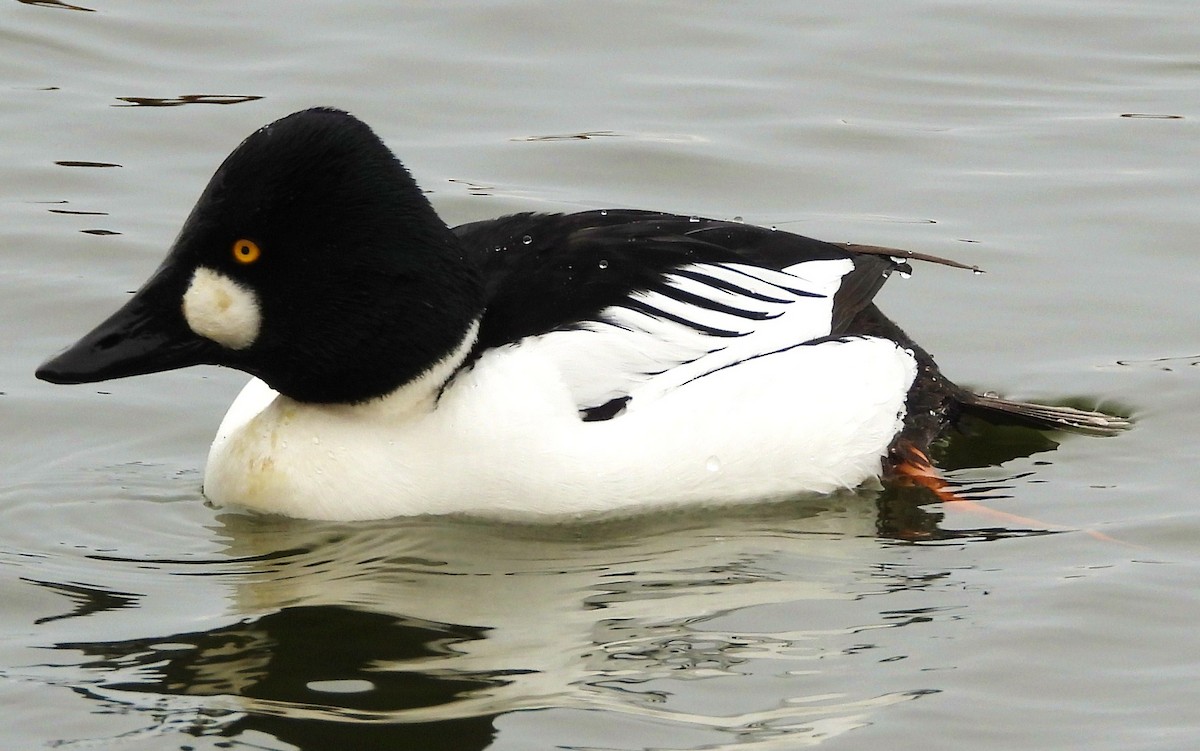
(420,394)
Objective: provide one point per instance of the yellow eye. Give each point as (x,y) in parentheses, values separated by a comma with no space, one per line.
(246,251)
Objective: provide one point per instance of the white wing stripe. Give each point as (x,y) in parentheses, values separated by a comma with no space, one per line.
(719,315)
(824,275)
(687,276)
(758,280)
(723,294)
(714,322)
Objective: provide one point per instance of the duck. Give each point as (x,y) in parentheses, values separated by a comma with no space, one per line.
(536,365)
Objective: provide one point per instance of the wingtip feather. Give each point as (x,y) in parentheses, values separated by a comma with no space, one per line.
(1050,416)
(908,255)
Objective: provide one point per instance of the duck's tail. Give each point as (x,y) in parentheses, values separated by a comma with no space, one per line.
(1042,416)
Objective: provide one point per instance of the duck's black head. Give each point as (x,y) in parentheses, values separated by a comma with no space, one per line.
(312,260)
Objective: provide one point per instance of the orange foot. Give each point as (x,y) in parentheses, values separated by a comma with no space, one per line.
(915,469)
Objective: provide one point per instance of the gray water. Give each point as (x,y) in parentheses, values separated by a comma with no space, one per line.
(1053,143)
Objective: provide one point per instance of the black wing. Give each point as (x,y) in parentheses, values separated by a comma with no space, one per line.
(546,272)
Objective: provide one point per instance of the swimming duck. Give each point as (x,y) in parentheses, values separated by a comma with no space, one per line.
(535,364)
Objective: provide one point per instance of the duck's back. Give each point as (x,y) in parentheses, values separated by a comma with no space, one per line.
(545,271)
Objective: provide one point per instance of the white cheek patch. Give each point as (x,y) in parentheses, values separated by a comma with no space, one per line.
(218,308)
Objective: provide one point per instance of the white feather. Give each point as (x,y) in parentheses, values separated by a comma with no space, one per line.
(632,353)
(505,439)
(219,308)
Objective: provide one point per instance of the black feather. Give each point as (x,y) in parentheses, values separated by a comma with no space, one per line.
(549,271)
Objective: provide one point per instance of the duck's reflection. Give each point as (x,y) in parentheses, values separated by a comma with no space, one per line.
(420,633)
(288,673)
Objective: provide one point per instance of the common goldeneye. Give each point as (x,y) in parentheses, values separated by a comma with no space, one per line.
(535,364)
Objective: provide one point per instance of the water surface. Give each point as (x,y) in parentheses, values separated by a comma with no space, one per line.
(1053,143)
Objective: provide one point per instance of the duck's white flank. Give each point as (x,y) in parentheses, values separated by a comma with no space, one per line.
(504,438)
(218,308)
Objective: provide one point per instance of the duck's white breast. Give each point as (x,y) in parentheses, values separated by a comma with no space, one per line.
(505,438)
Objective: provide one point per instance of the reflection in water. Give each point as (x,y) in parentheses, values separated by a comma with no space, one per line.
(425,631)
(1167,364)
(56,4)
(78,163)
(592,134)
(150,101)
(77,213)
(422,633)
(87,600)
(290,673)
(982,444)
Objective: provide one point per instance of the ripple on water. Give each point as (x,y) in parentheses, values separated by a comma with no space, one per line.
(442,626)
(718,624)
